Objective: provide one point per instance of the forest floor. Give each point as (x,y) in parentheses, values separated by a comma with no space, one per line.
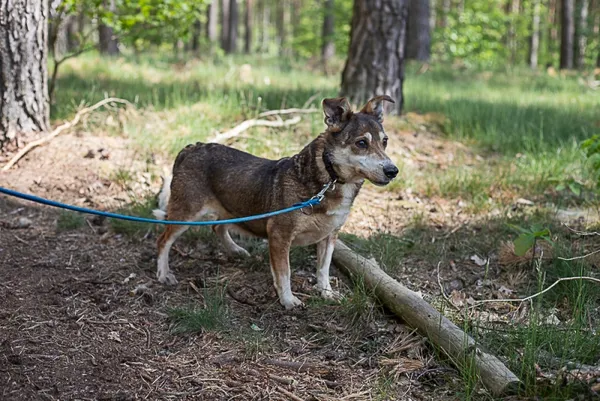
(83,317)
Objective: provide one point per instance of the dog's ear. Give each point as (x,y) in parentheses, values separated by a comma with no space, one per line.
(374,106)
(337,113)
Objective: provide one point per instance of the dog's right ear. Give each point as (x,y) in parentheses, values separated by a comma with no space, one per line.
(337,113)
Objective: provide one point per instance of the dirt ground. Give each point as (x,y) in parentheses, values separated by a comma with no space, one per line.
(82,316)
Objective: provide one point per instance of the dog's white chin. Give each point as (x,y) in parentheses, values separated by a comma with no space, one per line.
(381,183)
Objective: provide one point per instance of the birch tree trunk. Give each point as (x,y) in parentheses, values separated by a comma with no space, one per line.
(24,106)
(535,36)
(581,32)
(375,64)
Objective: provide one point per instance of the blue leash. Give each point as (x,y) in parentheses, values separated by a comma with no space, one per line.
(315,200)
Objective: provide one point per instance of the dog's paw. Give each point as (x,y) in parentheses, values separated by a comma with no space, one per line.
(291,302)
(168,279)
(328,293)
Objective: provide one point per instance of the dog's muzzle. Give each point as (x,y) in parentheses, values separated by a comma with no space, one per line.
(390,171)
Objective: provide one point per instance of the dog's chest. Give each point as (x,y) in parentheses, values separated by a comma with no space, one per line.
(318,226)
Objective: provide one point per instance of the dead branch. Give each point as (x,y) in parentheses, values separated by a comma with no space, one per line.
(417,313)
(238,129)
(537,294)
(287,111)
(300,367)
(580,257)
(61,128)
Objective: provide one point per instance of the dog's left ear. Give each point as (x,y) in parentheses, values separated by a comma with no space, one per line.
(337,113)
(374,106)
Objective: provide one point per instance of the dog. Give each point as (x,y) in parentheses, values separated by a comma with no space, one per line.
(213,179)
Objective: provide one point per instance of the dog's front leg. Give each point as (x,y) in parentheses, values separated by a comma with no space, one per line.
(324,253)
(279,251)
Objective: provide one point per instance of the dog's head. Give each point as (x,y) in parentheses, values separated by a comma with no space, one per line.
(357,141)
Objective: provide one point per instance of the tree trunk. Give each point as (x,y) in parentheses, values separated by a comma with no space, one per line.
(418,34)
(375,63)
(196,31)
(445,12)
(264,26)
(107,42)
(432,15)
(328,46)
(567,34)
(233,27)
(280,26)
(581,33)
(224,12)
(248,26)
(212,15)
(24,106)
(512,29)
(535,36)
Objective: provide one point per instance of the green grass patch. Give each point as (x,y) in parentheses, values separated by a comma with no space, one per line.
(68,220)
(132,229)
(192,319)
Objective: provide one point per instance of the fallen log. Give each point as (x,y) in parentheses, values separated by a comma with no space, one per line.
(417,313)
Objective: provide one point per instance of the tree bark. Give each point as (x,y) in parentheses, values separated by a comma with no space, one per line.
(375,63)
(196,31)
(534,44)
(567,34)
(224,13)
(24,106)
(417,313)
(248,26)
(212,15)
(233,27)
(418,34)
(581,32)
(328,45)
(107,42)
(512,29)
(280,26)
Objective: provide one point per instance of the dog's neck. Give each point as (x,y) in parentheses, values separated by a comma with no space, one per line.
(314,163)
(329,167)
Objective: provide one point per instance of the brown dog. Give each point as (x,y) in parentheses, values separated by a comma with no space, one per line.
(212,179)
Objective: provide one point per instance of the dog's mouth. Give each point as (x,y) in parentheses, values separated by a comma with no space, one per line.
(381,183)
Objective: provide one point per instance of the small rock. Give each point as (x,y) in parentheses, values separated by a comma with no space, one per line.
(24,222)
(524,202)
(90,154)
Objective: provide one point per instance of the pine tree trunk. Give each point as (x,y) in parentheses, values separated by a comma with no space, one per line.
(534,44)
(224,13)
(24,106)
(328,46)
(581,33)
(567,34)
(212,15)
(107,42)
(280,26)
(248,26)
(418,35)
(233,27)
(375,64)
(196,31)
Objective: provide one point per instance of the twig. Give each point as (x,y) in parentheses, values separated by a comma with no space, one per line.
(238,129)
(582,233)
(442,288)
(537,294)
(287,111)
(58,130)
(287,393)
(580,257)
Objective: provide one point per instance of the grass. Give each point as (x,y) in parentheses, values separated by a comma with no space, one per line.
(132,229)
(69,221)
(525,126)
(191,319)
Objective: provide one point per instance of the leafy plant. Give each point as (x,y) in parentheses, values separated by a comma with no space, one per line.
(591,147)
(528,237)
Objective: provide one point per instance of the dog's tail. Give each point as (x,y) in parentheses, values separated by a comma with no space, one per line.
(163,198)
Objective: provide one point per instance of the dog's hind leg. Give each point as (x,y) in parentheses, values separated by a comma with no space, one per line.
(231,247)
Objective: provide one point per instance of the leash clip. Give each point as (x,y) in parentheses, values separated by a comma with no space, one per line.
(318,198)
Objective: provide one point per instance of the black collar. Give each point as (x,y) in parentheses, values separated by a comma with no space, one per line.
(329,166)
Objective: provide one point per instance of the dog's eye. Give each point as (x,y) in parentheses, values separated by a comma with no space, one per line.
(362,144)
(385,142)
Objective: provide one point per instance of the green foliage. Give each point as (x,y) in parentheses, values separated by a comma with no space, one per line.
(191,319)
(528,237)
(591,147)
(68,220)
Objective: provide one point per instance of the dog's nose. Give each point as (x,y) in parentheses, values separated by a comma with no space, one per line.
(390,171)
